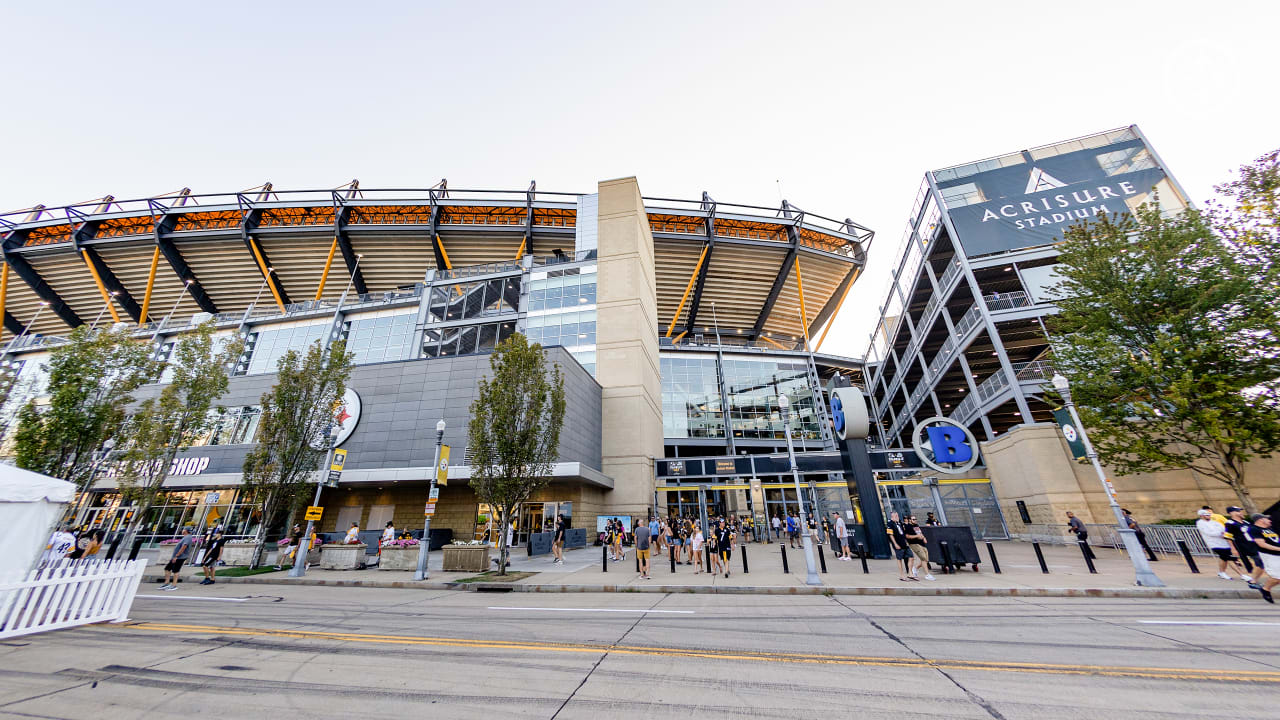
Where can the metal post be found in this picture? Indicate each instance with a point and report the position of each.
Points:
(604, 555)
(1186, 553)
(862, 555)
(299, 568)
(424, 547)
(745, 569)
(1040, 556)
(995, 564)
(1143, 574)
(811, 570)
(786, 570)
(1088, 556)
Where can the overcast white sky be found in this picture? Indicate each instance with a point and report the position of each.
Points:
(846, 104)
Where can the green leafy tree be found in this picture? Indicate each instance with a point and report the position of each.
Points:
(297, 413)
(1249, 216)
(163, 425)
(91, 380)
(514, 435)
(1169, 340)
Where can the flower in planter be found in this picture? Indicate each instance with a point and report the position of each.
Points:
(284, 542)
(401, 543)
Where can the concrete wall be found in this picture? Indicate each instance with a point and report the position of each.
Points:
(627, 348)
(1032, 463)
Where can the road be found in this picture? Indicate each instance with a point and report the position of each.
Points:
(316, 652)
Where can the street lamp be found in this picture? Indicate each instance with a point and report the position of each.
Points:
(424, 547)
(1144, 575)
(300, 557)
(811, 569)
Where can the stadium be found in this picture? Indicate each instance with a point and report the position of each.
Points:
(679, 322)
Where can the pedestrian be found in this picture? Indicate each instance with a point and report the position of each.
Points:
(916, 543)
(353, 535)
(826, 531)
(642, 549)
(777, 527)
(619, 536)
(388, 534)
(932, 520)
(1076, 525)
(291, 554)
(724, 544)
(1268, 544)
(793, 529)
(61, 542)
(1137, 531)
(212, 553)
(695, 549)
(557, 542)
(181, 552)
(82, 543)
(842, 538)
(1237, 533)
(898, 538)
(1213, 533)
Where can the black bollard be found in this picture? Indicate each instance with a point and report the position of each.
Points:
(1040, 556)
(672, 557)
(137, 545)
(995, 564)
(822, 560)
(783, 548)
(604, 556)
(862, 555)
(1084, 548)
(947, 566)
(744, 560)
(637, 560)
(707, 552)
(1186, 553)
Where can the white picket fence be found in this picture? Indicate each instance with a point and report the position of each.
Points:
(69, 593)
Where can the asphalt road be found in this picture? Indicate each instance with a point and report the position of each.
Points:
(316, 652)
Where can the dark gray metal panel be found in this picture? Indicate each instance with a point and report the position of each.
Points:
(44, 290)
(164, 226)
(113, 284)
(12, 324)
(340, 214)
(247, 226)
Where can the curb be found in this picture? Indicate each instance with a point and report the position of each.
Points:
(1135, 592)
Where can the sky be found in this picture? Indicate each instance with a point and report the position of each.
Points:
(839, 107)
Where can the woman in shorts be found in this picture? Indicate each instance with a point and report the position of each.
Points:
(695, 550)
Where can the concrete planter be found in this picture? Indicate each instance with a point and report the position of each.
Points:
(466, 558)
(239, 553)
(337, 556)
(399, 558)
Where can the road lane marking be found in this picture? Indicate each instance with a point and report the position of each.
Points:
(612, 610)
(190, 597)
(1247, 676)
(1203, 622)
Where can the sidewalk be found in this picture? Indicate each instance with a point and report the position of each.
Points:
(1020, 575)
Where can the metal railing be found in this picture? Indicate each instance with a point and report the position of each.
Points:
(1033, 371)
(1007, 301)
(477, 270)
(971, 318)
(561, 259)
(1162, 538)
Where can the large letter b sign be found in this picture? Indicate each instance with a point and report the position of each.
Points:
(948, 444)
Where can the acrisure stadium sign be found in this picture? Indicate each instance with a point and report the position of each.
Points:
(945, 445)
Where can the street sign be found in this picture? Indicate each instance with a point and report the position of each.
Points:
(430, 509)
(435, 494)
(442, 472)
(332, 479)
(339, 460)
(212, 498)
(313, 512)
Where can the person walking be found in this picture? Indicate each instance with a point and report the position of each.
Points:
(1237, 533)
(212, 554)
(725, 538)
(181, 552)
(1268, 544)
(642, 549)
(898, 538)
(61, 543)
(1137, 531)
(295, 542)
(777, 527)
(842, 538)
(1213, 533)
(655, 533)
(557, 542)
(916, 543)
(695, 549)
(793, 529)
(1076, 525)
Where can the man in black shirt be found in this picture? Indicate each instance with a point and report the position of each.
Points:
(212, 553)
(898, 538)
(724, 544)
(1237, 532)
(1268, 544)
(919, 550)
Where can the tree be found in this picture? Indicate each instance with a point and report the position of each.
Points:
(514, 435)
(292, 433)
(162, 426)
(1169, 340)
(90, 383)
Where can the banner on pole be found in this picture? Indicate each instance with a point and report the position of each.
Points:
(1070, 432)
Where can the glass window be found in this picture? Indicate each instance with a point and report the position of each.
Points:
(380, 339)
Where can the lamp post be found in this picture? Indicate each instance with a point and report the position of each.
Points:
(806, 539)
(424, 547)
(299, 568)
(1143, 573)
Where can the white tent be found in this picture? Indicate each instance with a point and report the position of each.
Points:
(30, 503)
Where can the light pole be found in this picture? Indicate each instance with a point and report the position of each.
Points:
(100, 458)
(811, 569)
(424, 547)
(1144, 575)
(300, 557)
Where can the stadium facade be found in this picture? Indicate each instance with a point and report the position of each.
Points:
(677, 323)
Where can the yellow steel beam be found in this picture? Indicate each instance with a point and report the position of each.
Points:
(266, 275)
(106, 296)
(804, 314)
(520, 252)
(772, 342)
(676, 339)
(688, 289)
(440, 243)
(328, 263)
(151, 283)
(832, 320)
